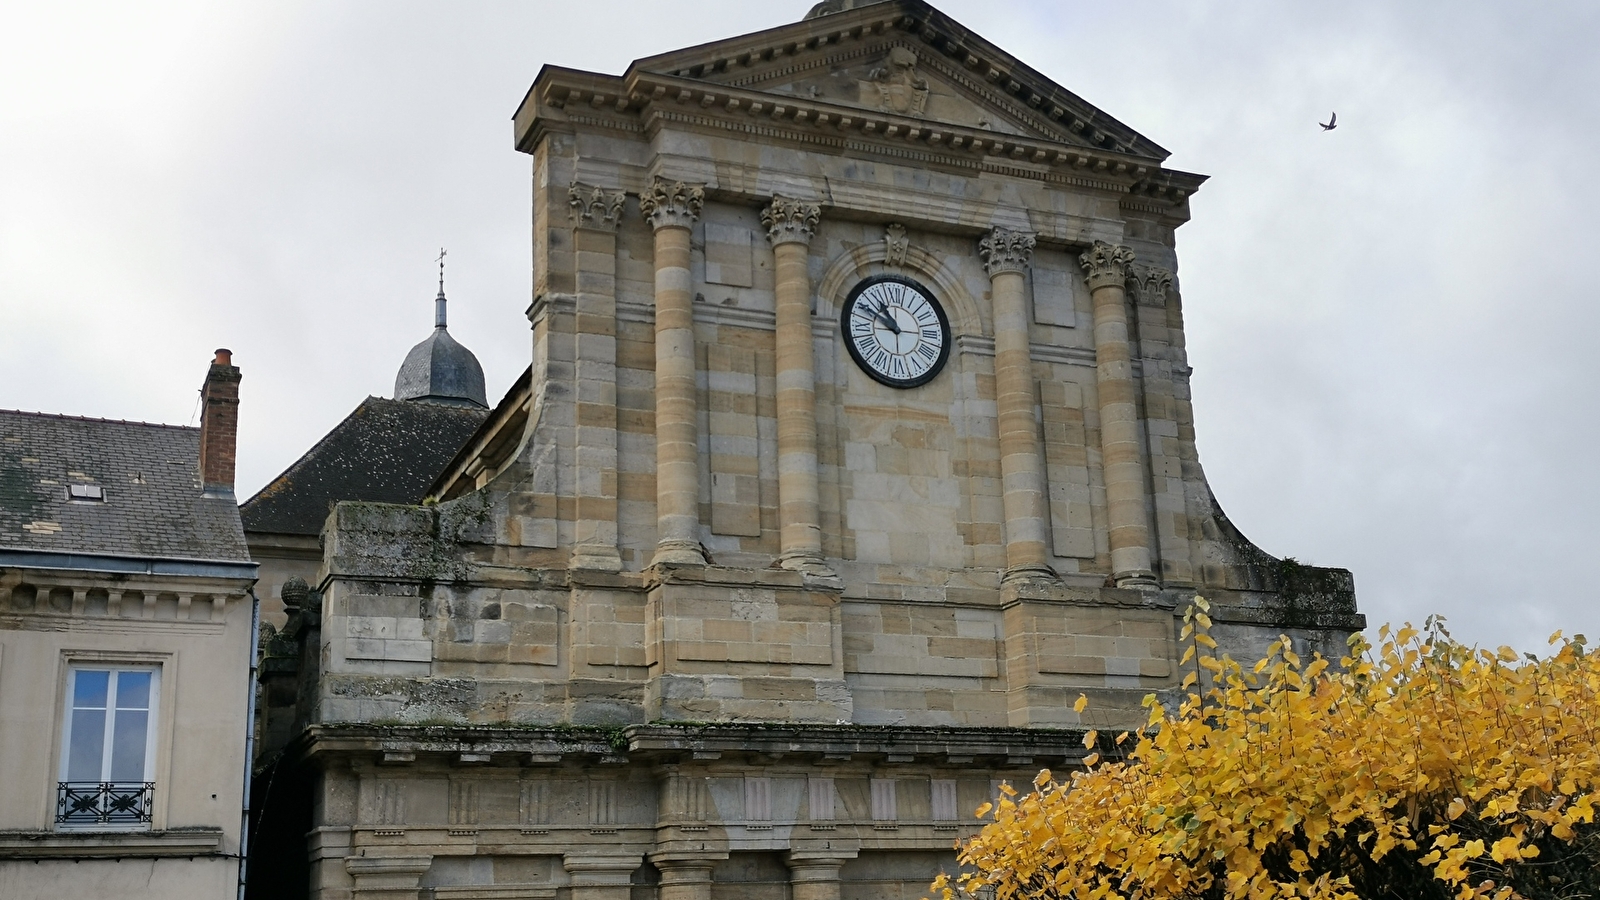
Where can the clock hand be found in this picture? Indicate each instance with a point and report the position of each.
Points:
(887, 319)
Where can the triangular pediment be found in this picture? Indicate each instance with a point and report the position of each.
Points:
(903, 57)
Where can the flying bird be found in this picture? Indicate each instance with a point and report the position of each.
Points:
(1332, 123)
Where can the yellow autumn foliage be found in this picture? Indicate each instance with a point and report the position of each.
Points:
(1420, 768)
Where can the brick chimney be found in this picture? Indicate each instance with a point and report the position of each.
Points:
(219, 425)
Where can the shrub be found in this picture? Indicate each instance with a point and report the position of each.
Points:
(1418, 769)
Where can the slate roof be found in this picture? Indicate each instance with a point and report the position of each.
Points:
(386, 451)
(150, 475)
(442, 370)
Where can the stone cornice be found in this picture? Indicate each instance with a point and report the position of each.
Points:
(41, 845)
(410, 744)
(650, 101)
(1008, 84)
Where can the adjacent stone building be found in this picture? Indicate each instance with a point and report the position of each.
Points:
(856, 444)
(125, 654)
(387, 451)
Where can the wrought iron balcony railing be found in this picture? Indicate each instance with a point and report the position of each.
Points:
(91, 803)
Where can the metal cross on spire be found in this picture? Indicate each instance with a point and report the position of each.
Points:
(438, 302)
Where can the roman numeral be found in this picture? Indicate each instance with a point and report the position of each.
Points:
(928, 352)
(931, 334)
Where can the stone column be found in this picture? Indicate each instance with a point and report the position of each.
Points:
(1005, 254)
(601, 876)
(790, 224)
(1107, 269)
(814, 875)
(595, 213)
(684, 879)
(671, 208)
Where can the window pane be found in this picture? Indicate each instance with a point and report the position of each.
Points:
(127, 745)
(88, 741)
(89, 689)
(133, 690)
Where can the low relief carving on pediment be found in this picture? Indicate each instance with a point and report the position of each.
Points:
(895, 86)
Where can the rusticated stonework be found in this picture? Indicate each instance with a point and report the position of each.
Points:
(706, 612)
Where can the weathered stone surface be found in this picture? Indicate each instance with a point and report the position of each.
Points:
(881, 601)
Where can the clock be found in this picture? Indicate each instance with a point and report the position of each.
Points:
(896, 331)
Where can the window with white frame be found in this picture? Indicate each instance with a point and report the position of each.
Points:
(108, 747)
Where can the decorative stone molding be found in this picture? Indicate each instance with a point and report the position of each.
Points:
(790, 221)
(392, 876)
(900, 89)
(896, 245)
(593, 207)
(191, 843)
(1004, 250)
(1106, 264)
(1150, 284)
(672, 203)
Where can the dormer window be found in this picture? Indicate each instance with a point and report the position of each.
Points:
(86, 493)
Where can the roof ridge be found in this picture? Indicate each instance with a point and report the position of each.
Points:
(72, 418)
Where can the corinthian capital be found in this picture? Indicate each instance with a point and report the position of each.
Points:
(671, 203)
(593, 207)
(1106, 264)
(1004, 250)
(790, 221)
(1151, 283)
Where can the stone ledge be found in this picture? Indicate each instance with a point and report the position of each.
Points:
(110, 844)
(645, 743)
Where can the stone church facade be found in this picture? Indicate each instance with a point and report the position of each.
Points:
(855, 445)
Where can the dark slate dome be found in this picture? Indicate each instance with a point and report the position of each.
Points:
(440, 370)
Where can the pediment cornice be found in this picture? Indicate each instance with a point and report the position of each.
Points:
(1013, 88)
(645, 102)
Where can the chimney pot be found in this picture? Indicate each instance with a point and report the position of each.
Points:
(219, 426)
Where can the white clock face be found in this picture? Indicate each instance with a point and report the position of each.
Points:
(896, 331)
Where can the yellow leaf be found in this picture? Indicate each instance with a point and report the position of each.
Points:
(1457, 807)
(1090, 736)
(1082, 704)
(1505, 849)
(1091, 759)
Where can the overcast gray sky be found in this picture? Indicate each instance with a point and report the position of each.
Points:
(1392, 325)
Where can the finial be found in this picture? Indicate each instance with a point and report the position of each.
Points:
(438, 302)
